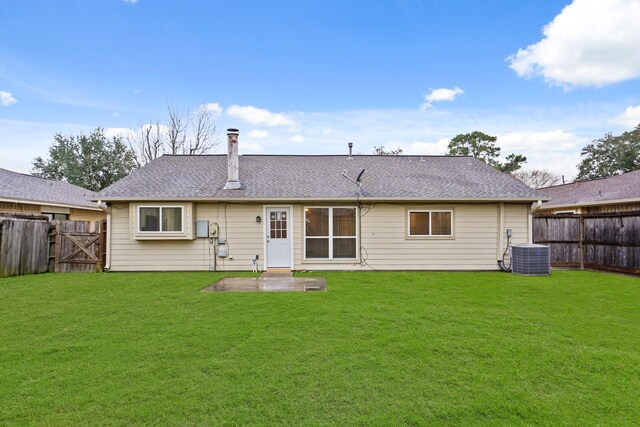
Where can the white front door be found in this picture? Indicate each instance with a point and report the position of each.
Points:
(278, 237)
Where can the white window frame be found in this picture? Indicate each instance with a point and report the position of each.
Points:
(330, 237)
(160, 207)
(430, 235)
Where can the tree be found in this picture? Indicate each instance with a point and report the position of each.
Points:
(147, 144)
(203, 129)
(610, 155)
(513, 163)
(537, 178)
(176, 131)
(182, 134)
(380, 151)
(92, 161)
(483, 147)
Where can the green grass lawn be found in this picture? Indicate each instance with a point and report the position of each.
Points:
(377, 349)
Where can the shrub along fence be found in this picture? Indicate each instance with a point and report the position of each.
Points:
(30, 246)
(598, 241)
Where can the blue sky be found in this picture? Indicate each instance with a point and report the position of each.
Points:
(307, 77)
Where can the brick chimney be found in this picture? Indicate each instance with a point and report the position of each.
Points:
(233, 183)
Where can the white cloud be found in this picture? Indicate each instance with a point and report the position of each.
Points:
(427, 148)
(297, 138)
(251, 147)
(124, 132)
(259, 116)
(212, 107)
(6, 99)
(111, 132)
(116, 114)
(153, 126)
(137, 91)
(630, 117)
(130, 1)
(259, 134)
(555, 150)
(440, 94)
(590, 43)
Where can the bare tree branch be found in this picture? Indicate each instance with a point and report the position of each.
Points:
(203, 131)
(381, 151)
(176, 131)
(183, 134)
(146, 144)
(537, 178)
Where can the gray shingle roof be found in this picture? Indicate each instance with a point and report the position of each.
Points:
(319, 177)
(18, 186)
(620, 187)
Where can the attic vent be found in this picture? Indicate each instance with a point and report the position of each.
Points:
(531, 260)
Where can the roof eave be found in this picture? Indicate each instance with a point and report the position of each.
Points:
(599, 203)
(320, 199)
(46, 203)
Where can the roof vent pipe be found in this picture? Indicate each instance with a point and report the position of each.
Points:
(350, 148)
(233, 183)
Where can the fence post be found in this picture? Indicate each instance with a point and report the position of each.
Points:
(58, 246)
(51, 248)
(581, 243)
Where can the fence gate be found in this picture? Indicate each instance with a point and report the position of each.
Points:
(77, 246)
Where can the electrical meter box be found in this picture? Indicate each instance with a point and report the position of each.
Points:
(202, 228)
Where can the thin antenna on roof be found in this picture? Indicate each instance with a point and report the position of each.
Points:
(357, 181)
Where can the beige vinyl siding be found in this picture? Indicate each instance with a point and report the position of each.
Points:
(515, 218)
(383, 236)
(244, 237)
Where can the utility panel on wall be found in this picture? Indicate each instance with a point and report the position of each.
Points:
(202, 228)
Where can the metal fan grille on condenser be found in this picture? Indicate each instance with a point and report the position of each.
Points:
(531, 260)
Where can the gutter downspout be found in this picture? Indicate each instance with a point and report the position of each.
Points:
(107, 209)
(534, 208)
(501, 231)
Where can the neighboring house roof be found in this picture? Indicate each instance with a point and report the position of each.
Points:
(22, 188)
(282, 177)
(614, 189)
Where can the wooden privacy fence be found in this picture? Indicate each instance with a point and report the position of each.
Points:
(29, 246)
(23, 248)
(598, 241)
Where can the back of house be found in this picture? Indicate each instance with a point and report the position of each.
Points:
(312, 212)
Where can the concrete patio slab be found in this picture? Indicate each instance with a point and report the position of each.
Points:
(268, 284)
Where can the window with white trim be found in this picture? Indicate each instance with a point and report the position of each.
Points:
(330, 232)
(429, 223)
(160, 219)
